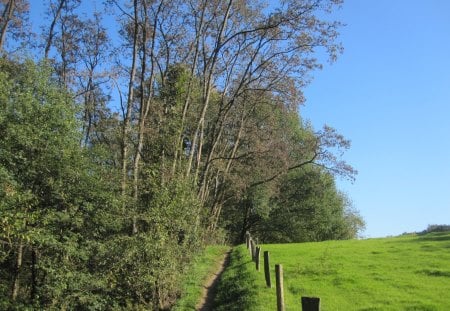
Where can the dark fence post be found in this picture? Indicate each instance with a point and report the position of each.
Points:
(247, 239)
(252, 249)
(310, 304)
(258, 251)
(279, 285)
(267, 269)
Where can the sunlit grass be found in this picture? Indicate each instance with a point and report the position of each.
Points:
(201, 268)
(402, 273)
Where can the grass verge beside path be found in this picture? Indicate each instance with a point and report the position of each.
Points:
(237, 289)
(201, 268)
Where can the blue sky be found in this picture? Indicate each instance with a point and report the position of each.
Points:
(389, 93)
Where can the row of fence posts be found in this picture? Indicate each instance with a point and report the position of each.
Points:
(308, 303)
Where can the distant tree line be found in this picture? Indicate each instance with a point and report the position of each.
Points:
(437, 228)
(133, 134)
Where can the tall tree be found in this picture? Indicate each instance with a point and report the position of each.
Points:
(14, 20)
(246, 50)
(54, 12)
(92, 53)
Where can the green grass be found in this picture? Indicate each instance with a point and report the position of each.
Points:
(237, 287)
(402, 273)
(202, 267)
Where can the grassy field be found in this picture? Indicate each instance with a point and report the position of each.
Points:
(402, 273)
(203, 266)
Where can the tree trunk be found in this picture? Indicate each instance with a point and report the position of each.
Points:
(52, 28)
(218, 196)
(145, 102)
(33, 291)
(16, 276)
(199, 132)
(127, 114)
(6, 18)
(89, 108)
(187, 101)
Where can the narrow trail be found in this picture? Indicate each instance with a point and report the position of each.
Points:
(206, 302)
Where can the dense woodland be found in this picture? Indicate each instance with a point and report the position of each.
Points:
(134, 132)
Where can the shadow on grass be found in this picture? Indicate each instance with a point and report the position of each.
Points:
(435, 272)
(410, 307)
(420, 307)
(436, 236)
(236, 288)
(428, 237)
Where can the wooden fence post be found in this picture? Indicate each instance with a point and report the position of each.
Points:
(279, 285)
(267, 269)
(252, 249)
(247, 239)
(310, 304)
(258, 251)
(250, 241)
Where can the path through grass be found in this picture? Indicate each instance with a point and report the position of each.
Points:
(202, 268)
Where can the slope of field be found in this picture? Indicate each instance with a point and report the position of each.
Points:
(402, 273)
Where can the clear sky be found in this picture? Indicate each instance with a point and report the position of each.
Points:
(389, 93)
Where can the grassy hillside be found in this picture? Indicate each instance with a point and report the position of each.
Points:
(401, 273)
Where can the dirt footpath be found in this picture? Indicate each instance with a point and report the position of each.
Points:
(206, 302)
